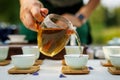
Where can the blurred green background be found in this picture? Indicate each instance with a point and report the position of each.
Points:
(105, 23)
(9, 11)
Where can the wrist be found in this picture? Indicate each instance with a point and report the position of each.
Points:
(82, 18)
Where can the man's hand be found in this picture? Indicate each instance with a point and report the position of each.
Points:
(30, 12)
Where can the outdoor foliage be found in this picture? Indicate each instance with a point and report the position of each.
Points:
(9, 11)
(105, 25)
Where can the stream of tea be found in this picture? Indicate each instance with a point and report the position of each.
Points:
(79, 43)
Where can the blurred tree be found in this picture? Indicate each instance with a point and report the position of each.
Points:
(110, 18)
(117, 15)
(98, 16)
(103, 23)
(9, 11)
(97, 21)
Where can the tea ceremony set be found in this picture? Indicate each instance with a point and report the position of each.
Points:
(28, 66)
(77, 63)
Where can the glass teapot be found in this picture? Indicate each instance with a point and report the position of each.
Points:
(54, 34)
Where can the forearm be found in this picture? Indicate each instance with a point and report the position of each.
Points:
(89, 8)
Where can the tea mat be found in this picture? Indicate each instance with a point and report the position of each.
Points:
(105, 63)
(113, 70)
(68, 70)
(5, 62)
(63, 62)
(38, 62)
(15, 70)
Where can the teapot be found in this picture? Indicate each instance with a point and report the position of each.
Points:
(54, 34)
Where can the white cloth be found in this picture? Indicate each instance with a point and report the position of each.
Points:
(51, 70)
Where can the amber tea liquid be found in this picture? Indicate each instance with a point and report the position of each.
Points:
(52, 40)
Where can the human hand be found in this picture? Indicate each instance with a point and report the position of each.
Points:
(31, 11)
(75, 21)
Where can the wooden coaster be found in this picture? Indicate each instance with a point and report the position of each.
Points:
(68, 70)
(15, 70)
(38, 62)
(63, 62)
(5, 62)
(114, 71)
(105, 63)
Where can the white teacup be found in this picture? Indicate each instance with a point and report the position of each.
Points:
(72, 49)
(16, 37)
(110, 50)
(115, 60)
(23, 61)
(76, 61)
(31, 50)
(3, 52)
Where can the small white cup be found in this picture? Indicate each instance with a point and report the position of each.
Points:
(76, 61)
(115, 60)
(16, 37)
(3, 52)
(23, 61)
(31, 50)
(73, 49)
(110, 50)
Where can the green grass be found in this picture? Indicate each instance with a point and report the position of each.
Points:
(102, 34)
(109, 33)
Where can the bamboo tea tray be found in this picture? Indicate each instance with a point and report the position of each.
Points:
(15, 70)
(68, 70)
(105, 63)
(38, 62)
(5, 62)
(63, 62)
(114, 71)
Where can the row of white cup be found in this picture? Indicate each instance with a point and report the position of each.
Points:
(25, 60)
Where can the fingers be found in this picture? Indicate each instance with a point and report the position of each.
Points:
(38, 12)
(45, 11)
(30, 14)
(35, 11)
(28, 21)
